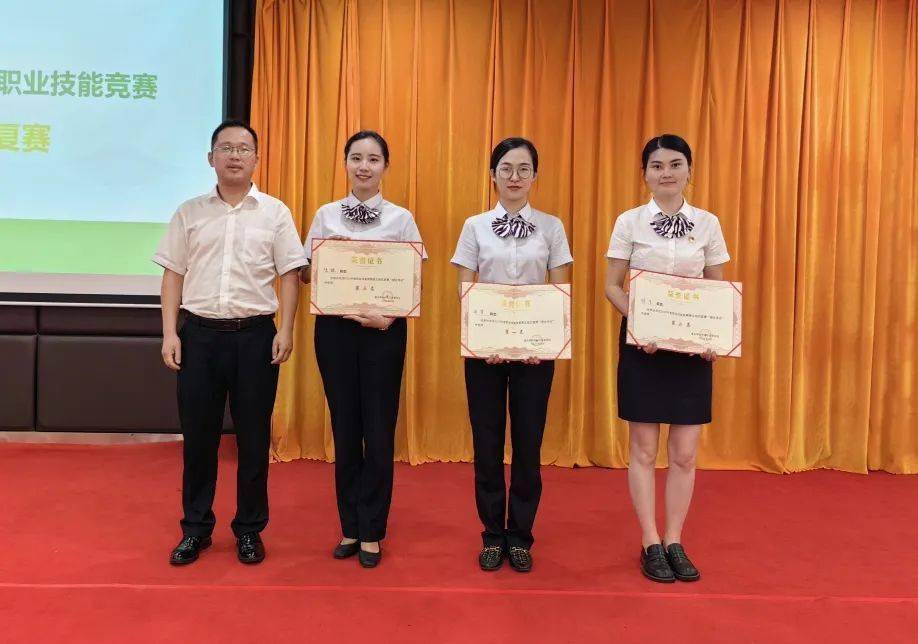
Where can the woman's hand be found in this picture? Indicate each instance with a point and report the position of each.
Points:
(532, 361)
(650, 348)
(370, 321)
(709, 355)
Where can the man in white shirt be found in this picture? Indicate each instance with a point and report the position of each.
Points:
(221, 255)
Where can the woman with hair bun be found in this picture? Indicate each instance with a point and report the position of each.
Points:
(665, 235)
(511, 244)
(361, 358)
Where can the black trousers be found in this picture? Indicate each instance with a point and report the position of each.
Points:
(216, 363)
(487, 388)
(362, 374)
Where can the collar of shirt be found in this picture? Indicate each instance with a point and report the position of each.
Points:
(685, 209)
(253, 195)
(373, 202)
(500, 211)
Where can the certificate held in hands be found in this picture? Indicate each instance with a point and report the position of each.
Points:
(360, 277)
(685, 314)
(516, 322)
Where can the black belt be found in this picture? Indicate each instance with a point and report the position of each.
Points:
(233, 324)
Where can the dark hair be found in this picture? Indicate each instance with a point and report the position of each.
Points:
(669, 142)
(513, 143)
(367, 134)
(233, 123)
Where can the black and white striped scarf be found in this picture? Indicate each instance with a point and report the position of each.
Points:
(359, 213)
(669, 227)
(514, 226)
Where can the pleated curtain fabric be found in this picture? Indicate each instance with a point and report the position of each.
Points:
(802, 115)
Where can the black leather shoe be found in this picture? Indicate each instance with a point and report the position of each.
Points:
(250, 548)
(345, 550)
(491, 558)
(188, 549)
(682, 566)
(520, 559)
(369, 559)
(655, 566)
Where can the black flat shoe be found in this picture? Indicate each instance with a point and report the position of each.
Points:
(250, 548)
(655, 566)
(491, 558)
(520, 559)
(188, 550)
(682, 566)
(345, 550)
(369, 559)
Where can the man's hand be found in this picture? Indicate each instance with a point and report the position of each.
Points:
(282, 347)
(380, 322)
(172, 351)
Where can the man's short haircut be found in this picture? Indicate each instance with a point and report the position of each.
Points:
(233, 123)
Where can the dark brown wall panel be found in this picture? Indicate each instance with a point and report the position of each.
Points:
(93, 383)
(18, 319)
(60, 320)
(17, 381)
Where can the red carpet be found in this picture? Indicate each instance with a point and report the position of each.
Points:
(819, 556)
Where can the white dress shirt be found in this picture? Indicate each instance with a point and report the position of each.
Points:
(512, 260)
(393, 224)
(635, 240)
(230, 255)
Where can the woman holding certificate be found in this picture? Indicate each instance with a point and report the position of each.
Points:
(666, 235)
(361, 357)
(511, 244)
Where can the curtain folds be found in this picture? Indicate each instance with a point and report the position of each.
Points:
(802, 116)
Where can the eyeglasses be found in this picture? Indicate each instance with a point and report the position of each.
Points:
(242, 151)
(506, 171)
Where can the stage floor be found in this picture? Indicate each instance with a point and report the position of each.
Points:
(87, 530)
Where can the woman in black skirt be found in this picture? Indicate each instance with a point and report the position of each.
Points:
(361, 357)
(666, 235)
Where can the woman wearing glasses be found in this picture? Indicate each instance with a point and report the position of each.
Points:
(511, 244)
(666, 235)
(361, 357)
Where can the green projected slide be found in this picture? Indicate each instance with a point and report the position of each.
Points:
(100, 247)
(106, 111)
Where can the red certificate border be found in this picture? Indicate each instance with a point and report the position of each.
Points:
(418, 285)
(464, 318)
(735, 352)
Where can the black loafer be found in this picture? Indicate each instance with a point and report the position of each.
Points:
(250, 548)
(655, 566)
(520, 559)
(188, 550)
(491, 558)
(369, 559)
(682, 566)
(345, 550)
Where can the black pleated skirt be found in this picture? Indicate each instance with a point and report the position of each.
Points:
(666, 387)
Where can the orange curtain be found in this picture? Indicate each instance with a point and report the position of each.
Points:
(802, 115)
